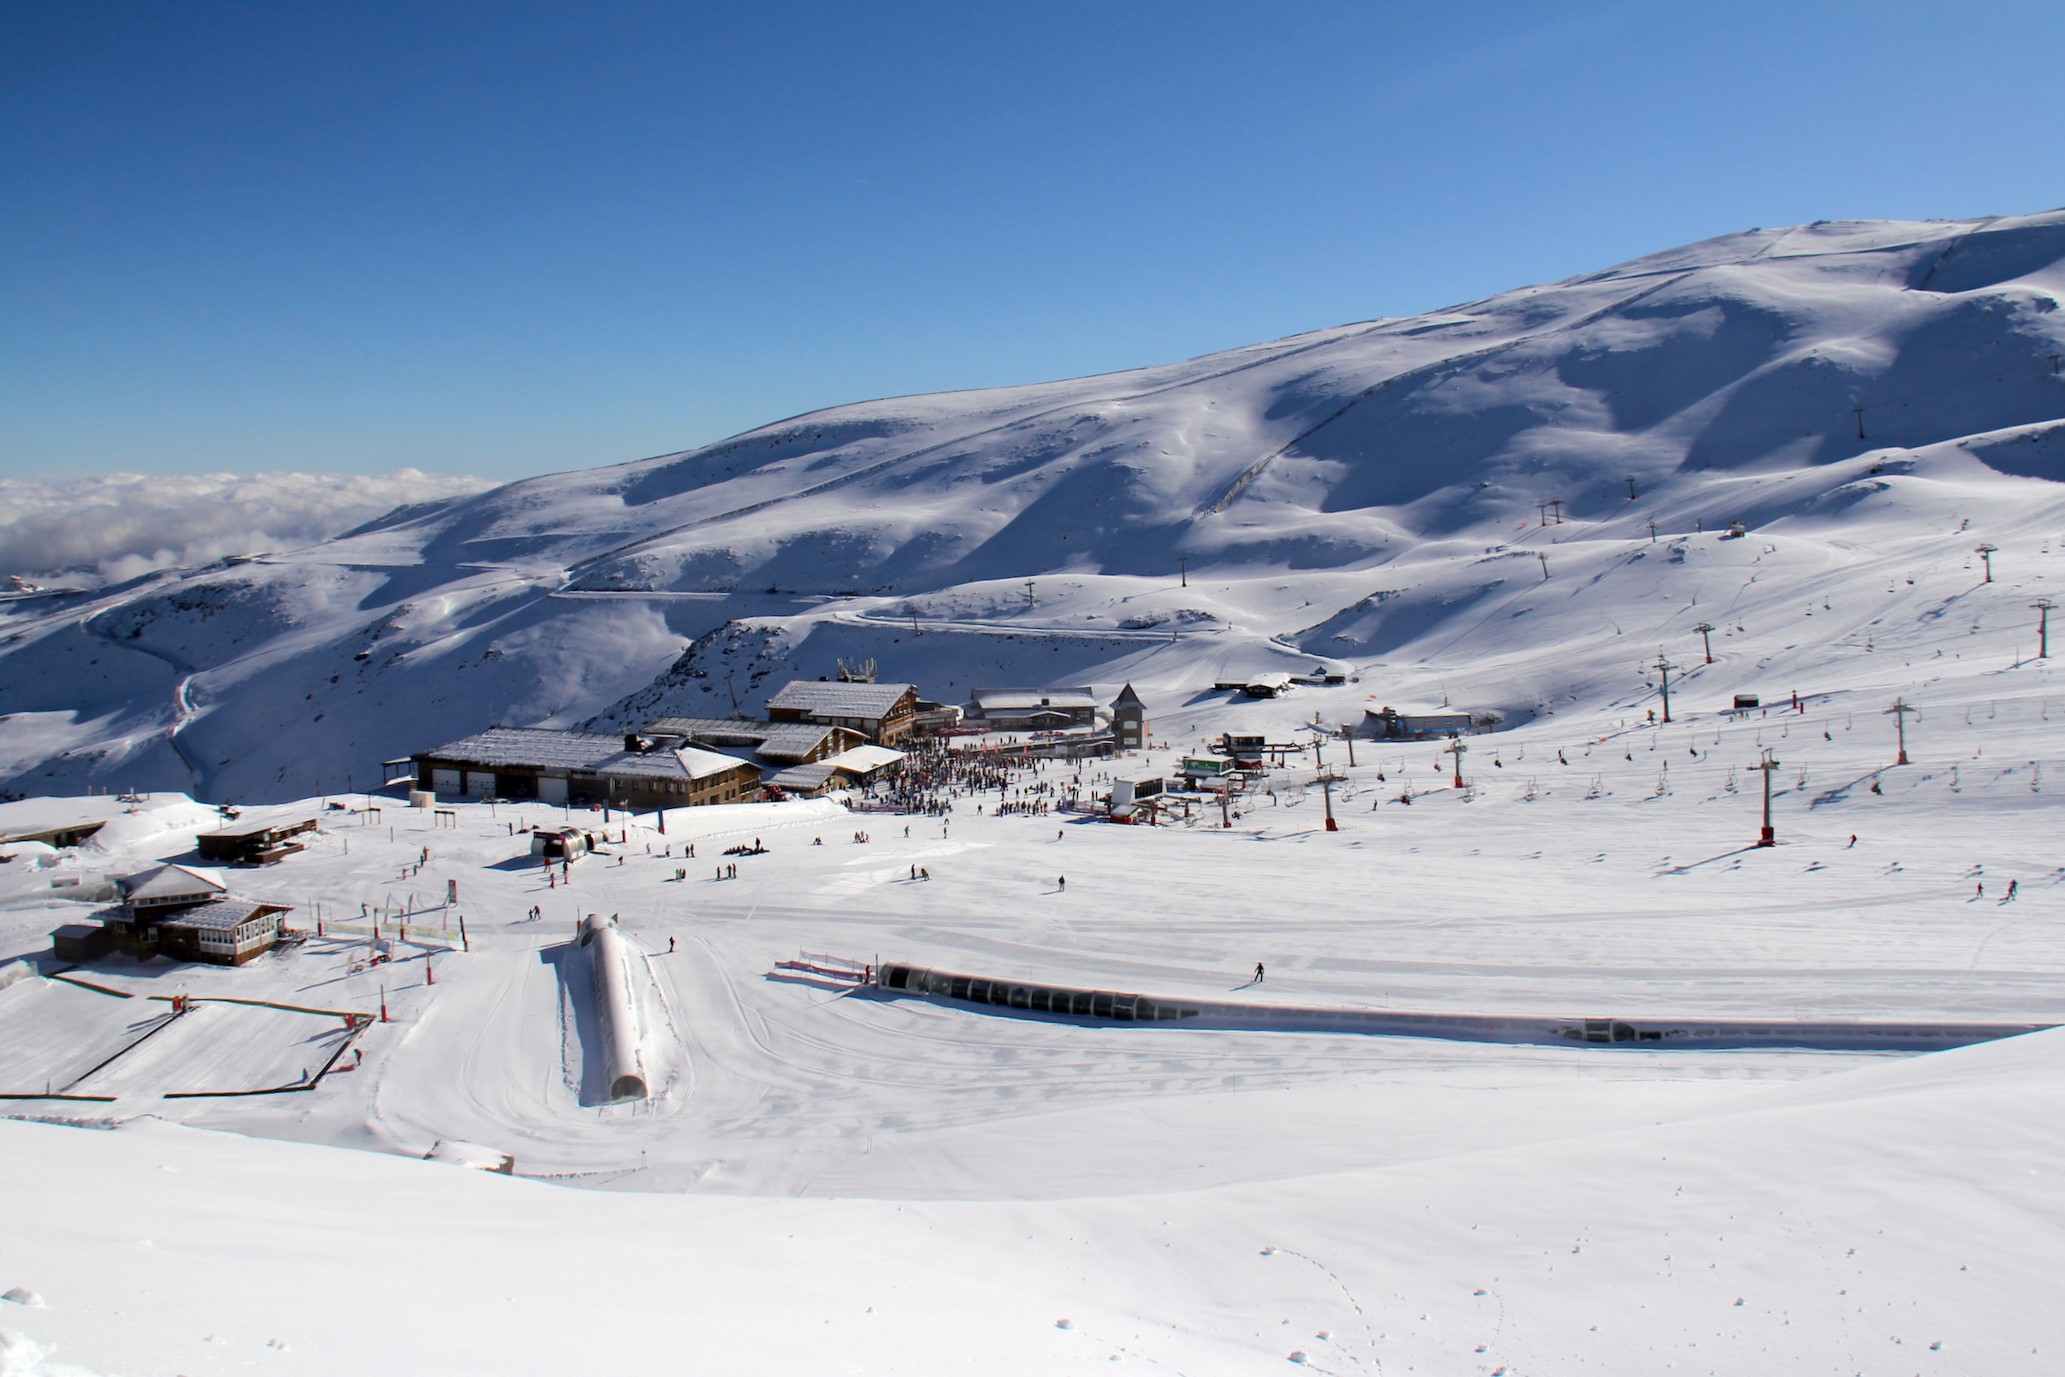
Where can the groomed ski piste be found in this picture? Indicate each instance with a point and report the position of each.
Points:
(822, 1176)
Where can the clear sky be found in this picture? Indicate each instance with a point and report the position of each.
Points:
(510, 238)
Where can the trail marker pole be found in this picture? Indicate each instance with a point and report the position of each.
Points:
(1767, 837)
(1706, 638)
(2043, 608)
(1899, 710)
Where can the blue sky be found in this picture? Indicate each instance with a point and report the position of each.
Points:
(513, 238)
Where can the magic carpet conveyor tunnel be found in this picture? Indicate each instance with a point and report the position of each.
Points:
(1522, 1029)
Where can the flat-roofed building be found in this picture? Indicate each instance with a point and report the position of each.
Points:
(255, 843)
(1409, 724)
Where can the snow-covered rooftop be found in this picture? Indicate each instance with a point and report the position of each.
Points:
(1020, 699)
(217, 915)
(839, 700)
(774, 740)
(582, 752)
(170, 882)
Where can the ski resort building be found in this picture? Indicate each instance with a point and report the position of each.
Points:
(1128, 721)
(1034, 710)
(181, 913)
(584, 769)
(853, 769)
(1387, 724)
(254, 844)
(774, 745)
(883, 713)
(170, 887)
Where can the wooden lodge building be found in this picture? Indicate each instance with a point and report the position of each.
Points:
(1035, 710)
(774, 745)
(181, 913)
(584, 770)
(254, 844)
(882, 713)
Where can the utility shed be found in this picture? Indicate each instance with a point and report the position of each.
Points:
(260, 844)
(883, 713)
(81, 942)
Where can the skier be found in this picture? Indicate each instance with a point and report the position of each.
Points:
(670, 945)
(1063, 882)
(1258, 973)
(2013, 886)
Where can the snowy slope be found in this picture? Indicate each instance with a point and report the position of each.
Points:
(1898, 1219)
(825, 1182)
(1369, 493)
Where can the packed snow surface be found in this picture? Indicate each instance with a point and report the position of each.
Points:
(830, 1179)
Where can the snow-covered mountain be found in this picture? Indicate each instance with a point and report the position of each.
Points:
(1863, 397)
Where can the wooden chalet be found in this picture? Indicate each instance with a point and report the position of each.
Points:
(883, 713)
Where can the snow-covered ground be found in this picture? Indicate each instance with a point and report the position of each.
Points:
(828, 1180)
(834, 1180)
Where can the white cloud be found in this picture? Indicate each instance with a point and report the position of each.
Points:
(116, 526)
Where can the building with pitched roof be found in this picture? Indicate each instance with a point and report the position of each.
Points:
(182, 913)
(853, 769)
(1128, 721)
(584, 769)
(1035, 709)
(883, 713)
(774, 745)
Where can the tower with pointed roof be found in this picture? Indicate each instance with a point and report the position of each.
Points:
(1128, 721)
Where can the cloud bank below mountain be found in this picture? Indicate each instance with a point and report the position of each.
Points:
(115, 526)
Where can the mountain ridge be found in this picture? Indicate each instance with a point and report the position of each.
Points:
(1759, 376)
